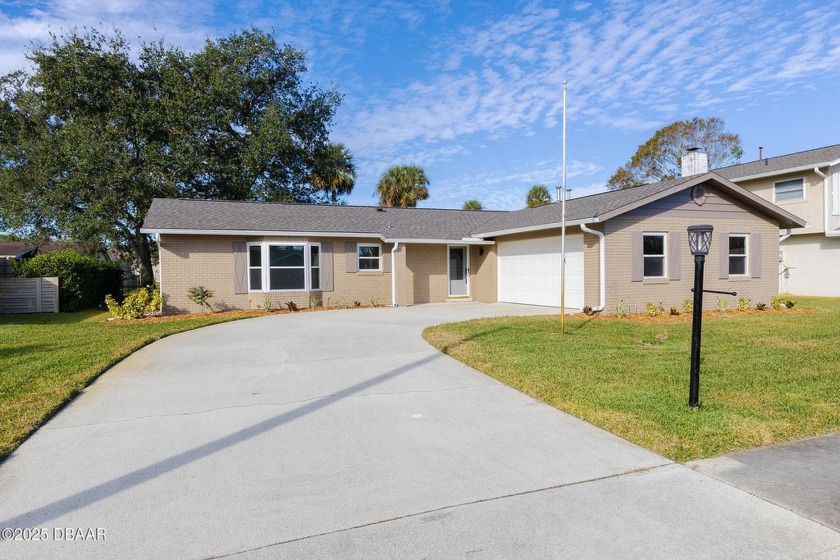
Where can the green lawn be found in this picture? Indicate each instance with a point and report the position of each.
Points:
(46, 359)
(765, 377)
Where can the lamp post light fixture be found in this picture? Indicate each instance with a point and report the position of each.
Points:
(699, 241)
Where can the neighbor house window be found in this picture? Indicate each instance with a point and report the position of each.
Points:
(653, 249)
(255, 267)
(737, 254)
(789, 191)
(369, 257)
(315, 267)
(286, 267)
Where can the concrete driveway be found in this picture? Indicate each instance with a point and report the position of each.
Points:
(342, 434)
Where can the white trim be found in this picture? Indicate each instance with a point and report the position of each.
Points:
(602, 267)
(465, 241)
(394, 274)
(466, 270)
(746, 255)
(238, 233)
(664, 255)
(265, 265)
(556, 225)
(795, 201)
(248, 266)
(778, 172)
(378, 259)
(310, 268)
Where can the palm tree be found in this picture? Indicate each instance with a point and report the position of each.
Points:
(403, 186)
(333, 171)
(538, 196)
(473, 204)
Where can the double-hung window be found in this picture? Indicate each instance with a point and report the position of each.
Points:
(653, 251)
(737, 254)
(284, 266)
(789, 191)
(370, 257)
(314, 267)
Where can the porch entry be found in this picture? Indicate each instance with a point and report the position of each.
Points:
(459, 271)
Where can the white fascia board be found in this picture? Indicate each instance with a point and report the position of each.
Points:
(244, 233)
(538, 228)
(463, 241)
(781, 171)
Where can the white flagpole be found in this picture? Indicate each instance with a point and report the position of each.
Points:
(563, 227)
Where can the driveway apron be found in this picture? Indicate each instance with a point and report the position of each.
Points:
(343, 434)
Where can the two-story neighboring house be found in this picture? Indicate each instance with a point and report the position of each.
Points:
(806, 184)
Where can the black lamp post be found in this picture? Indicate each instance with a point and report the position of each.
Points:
(699, 241)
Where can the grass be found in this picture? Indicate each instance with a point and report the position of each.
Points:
(46, 359)
(766, 377)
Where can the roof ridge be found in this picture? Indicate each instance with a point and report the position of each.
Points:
(299, 204)
(778, 157)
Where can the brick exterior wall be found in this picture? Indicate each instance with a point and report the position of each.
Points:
(483, 269)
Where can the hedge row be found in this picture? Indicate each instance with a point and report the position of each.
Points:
(83, 282)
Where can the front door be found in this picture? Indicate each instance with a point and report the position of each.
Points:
(459, 272)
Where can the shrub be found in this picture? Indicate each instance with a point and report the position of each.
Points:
(267, 302)
(776, 302)
(760, 306)
(722, 304)
(201, 296)
(357, 303)
(314, 301)
(83, 281)
(137, 304)
(674, 310)
(292, 306)
(620, 309)
(743, 304)
(342, 304)
(374, 302)
(653, 310)
(789, 304)
(688, 305)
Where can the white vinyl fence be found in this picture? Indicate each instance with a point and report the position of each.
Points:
(28, 295)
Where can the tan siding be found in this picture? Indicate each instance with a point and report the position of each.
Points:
(483, 271)
(592, 267)
(674, 292)
(191, 260)
(811, 209)
(427, 266)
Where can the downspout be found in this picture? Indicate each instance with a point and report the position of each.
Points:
(394, 273)
(602, 267)
(826, 211)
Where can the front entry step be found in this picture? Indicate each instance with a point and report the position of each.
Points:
(455, 299)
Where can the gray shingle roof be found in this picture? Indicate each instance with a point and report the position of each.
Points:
(592, 206)
(390, 223)
(808, 158)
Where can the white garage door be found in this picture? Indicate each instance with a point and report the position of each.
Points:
(529, 271)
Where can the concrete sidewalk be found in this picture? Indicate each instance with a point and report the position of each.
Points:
(343, 434)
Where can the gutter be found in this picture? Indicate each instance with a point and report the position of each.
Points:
(602, 267)
(394, 274)
(826, 212)
(541, 227)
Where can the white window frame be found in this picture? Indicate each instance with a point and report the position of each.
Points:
(663, 256)
(266, 266)
(359, 257)
(261, 268)
(795, 200)
(745, 256)
(311, 269)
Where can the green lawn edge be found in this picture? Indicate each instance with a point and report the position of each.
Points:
(46, 360)
(766, 377)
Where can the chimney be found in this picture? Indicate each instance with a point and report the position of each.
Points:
(694, 162)
(760, 153)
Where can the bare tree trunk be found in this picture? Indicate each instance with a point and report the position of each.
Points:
(140, 248)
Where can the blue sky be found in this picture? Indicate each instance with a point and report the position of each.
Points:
(472, 90)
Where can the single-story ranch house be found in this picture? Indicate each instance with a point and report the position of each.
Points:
(628, 245)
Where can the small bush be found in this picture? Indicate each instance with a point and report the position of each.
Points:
(587, 310)
(136, 304)
(292, 306)
(674, 310)
(776, 302)
(267, 302)
(621, 309)
(357, 303)
(789, 304)
(374, 302)
(743, 304)
(688, 305)
(653, 310)
(760, 306)
(201, 296)
(83, 281)
(342, 304)
(314, 301)
(722, 303)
